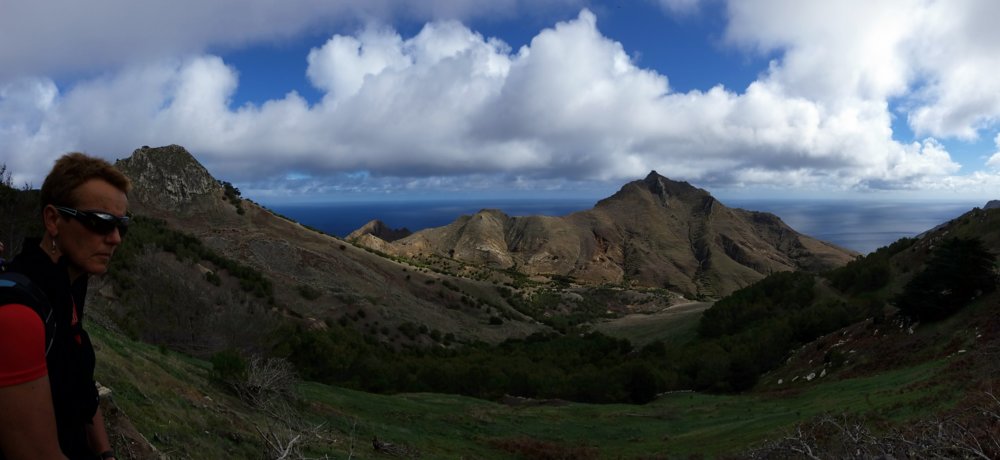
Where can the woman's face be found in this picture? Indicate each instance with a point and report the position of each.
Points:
(90, 251)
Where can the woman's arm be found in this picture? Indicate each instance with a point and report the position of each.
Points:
(27, 421)
(97, 434)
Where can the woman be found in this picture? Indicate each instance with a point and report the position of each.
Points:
(48, 402)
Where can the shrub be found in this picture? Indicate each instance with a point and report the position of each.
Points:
(266, 379)
(309, 293)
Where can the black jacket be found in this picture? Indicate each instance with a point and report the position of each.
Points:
(70, 361)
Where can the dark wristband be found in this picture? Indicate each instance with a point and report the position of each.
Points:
(107, 454)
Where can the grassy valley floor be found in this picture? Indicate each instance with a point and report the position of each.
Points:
(173, 402)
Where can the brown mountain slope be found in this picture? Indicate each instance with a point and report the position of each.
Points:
(654, 232)
(314, 275)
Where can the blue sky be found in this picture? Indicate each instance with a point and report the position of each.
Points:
(341, 100)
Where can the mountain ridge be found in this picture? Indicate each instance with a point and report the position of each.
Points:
(653, 232)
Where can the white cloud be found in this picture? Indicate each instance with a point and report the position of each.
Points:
(449, 105)
(994, 161)
(833, 52)
(939, 57)
(342, 64)
(958, 55)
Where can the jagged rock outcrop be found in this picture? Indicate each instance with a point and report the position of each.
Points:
(380, 230)
(654, 232)
(170, 179)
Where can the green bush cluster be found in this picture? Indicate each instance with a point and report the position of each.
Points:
(232, 195)
(589, 368)
(869, 273)
(753, 330)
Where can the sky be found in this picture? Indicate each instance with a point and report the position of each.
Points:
(323, 100)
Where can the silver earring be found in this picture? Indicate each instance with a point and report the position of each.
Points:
(53, 250)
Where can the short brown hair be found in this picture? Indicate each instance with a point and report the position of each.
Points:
(71, 171)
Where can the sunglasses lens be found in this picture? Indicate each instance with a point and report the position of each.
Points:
(105, 223)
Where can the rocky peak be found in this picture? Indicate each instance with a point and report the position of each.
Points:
(167, 178)
(993, 204)
(664, 187)
(658, 187)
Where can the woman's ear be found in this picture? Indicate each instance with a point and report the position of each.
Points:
(50, 218)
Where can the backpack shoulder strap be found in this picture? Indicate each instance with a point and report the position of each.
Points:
(17, 288)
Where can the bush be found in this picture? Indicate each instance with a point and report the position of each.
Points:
(309, 293)
(266, 380)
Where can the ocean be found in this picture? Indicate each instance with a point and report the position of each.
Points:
(863, 226)
(859, 225)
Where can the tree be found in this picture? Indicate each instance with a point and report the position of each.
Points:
(958, 271)
(18, 212)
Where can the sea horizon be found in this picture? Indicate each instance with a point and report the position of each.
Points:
(859, 225)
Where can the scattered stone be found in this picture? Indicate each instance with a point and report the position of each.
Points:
(103, 391)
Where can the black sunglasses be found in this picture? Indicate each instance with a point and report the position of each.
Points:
(98, 222)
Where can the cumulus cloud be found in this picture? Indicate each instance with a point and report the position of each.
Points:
(939, 57)
(449, 106)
